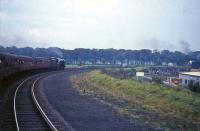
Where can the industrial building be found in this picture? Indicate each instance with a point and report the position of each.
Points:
(189, 77)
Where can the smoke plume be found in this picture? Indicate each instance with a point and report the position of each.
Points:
(56, 51)
(185, 46)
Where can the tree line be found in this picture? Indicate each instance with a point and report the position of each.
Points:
(108, 56)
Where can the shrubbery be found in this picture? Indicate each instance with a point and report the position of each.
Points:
(157, 80)
(194, 86)
(121, 73)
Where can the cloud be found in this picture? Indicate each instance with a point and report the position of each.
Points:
(95, 7)
(100, 23)
(22, 41)
(24, 37)
(34, 33)
(14, 40)
(155, 43)
(4, 16)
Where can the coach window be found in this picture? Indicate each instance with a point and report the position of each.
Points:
(0, 61)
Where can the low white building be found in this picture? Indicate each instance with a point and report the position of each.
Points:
(188, 77)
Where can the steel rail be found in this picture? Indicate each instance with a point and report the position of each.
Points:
(53, 128)
(43, 114)
(14, 104)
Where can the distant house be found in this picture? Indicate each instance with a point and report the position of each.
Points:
(189, 77)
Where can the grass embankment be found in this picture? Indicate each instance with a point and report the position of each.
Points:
(178, 103)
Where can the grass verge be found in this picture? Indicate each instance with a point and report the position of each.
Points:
(158, 106)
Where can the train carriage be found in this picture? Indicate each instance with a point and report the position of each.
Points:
(10, 63)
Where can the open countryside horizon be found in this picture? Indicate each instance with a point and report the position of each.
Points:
(135, 25)
(184, 49)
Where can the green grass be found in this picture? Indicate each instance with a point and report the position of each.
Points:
(176, 102)
(140, 68)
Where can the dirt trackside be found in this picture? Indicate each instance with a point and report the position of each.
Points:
(83, 112)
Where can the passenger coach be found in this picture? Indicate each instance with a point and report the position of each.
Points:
(10, 63)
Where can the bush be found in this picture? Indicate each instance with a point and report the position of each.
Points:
(197, 87)
(194, 87)
(157, 80)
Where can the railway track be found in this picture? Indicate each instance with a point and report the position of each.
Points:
(29, 115)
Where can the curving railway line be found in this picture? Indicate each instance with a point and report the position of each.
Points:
(29, 115)
(39, 106)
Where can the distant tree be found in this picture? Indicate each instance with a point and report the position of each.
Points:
(2, 49)
(137, 57)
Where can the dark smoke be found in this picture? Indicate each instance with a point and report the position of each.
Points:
(56, 51)
(185, 46)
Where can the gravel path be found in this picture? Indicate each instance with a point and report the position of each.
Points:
(79, 112)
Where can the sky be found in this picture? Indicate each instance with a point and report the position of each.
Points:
(119, 24)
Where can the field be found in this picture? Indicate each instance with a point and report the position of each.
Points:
(150, 103)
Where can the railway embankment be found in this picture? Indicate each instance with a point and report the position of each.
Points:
(144, 102)
(6, 82)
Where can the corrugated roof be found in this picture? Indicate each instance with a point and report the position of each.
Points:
(191, 73)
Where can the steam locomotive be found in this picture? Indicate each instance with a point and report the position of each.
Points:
(10, 63)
